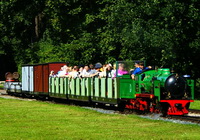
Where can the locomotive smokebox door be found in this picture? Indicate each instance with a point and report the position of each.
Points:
(176, 86)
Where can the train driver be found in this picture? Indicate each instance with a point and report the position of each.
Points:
(136, 70)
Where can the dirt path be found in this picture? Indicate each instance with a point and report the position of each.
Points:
(4, 95)
(2, 91)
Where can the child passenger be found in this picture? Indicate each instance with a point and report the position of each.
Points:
(121, 70)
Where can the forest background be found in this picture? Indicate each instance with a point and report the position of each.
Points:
(165, 33)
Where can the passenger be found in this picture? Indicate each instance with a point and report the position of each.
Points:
(80, 72)
(86, 71)
(113, 72)
(52, 74)
(103, 72)
(66, 65)
(61, 72)
(61, 69)
(121, 70)
(93, 71)
(136, 70)
(109, 72)
(74, 73)
(65, 71)
(97, 67)
(141, 65)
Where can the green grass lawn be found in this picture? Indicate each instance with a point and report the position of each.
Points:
(40, 120)
(1, 85)
(195, 105)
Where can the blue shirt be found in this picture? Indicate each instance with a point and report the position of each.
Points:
(145, 68)
(136, 71)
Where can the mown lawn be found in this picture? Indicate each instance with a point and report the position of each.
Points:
(195, 105)
(1, 85)
(40, 120)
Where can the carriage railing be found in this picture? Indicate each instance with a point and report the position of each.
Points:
(107, 88)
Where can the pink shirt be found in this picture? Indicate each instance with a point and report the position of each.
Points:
(120, 73)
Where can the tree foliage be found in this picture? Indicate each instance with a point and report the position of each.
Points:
(165, 33)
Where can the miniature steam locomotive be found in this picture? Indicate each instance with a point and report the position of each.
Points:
(152, 90)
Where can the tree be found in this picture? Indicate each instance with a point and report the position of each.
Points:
(165, 33)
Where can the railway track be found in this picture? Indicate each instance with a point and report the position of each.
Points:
(99, 107)
(192, 119)
(194, 111)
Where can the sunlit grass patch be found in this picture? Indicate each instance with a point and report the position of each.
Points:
(40, 120)
(195, 105)
(1, 85)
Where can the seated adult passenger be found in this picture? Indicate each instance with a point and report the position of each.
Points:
(113, 71)
(80, 72)
(103, 72)
(97, 67)
(110, 71)
(61, 72)
(74, 73)
(86, 71)
(64, 72)
(61, 69)
(93, 71)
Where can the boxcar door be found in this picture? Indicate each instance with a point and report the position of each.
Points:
(25, 78)
(45, 78)
(38, 79)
